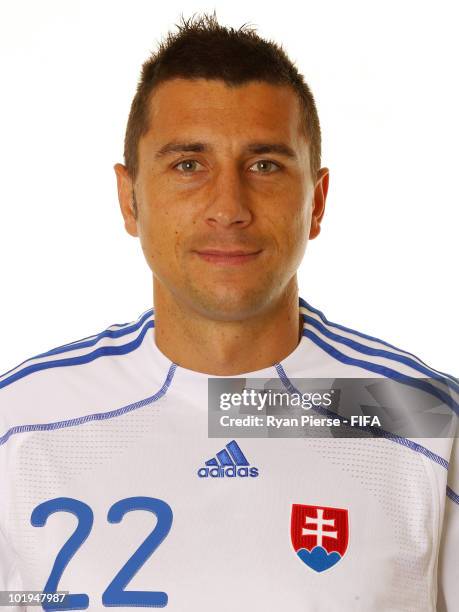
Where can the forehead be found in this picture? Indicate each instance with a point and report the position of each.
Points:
(202, 107)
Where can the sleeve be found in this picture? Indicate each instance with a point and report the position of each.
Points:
(448, 560)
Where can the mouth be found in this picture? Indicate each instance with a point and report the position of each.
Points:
(228, 258)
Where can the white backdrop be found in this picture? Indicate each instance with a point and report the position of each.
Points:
(383, 75)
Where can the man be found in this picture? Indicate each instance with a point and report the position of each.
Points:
(222, 184)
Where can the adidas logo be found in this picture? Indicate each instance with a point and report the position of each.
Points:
(230, 463)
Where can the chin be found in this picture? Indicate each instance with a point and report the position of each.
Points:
(230, 305)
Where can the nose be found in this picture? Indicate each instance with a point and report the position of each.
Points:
(229, 200)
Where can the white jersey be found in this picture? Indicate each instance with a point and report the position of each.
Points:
(112, 490)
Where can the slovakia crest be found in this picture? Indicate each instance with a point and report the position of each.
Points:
(320, 535)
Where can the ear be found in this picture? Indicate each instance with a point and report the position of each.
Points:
(320, 195)
(126, 199)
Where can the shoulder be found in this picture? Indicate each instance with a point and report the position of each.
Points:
(356, 348)
(62, 380)
(116, 339)
(347, 353)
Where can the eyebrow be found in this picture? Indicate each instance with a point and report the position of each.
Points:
(201, 147)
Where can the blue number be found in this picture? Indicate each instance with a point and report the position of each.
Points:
(85, 520)
(115, 595)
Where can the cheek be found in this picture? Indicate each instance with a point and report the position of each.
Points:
(301, 228)
(292, 230)
(159, 236)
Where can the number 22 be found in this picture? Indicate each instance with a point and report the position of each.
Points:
(114, 594)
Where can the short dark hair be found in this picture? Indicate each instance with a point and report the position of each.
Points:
(203, 48)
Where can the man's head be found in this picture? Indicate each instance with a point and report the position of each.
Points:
(222, 153)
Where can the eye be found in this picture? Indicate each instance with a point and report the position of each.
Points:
(265, 166)
(188, 165)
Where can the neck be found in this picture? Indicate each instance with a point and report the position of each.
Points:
(226, 347)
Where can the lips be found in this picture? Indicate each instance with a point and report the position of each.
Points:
(230, 257)
(226, 253)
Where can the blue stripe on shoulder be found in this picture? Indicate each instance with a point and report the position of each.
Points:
(80, 359)
(305, 304)
(452, 495)
(368, 350)
(125, 328)
(99, 416)
(384, 371)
